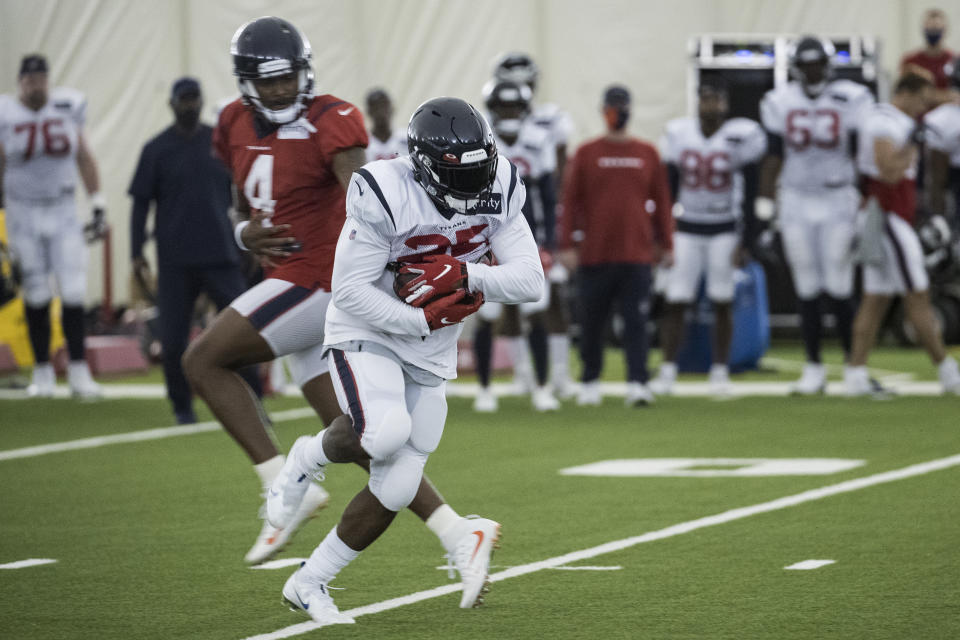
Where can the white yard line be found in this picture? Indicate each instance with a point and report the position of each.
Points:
(661, 534)
(138, 436)
(808, 565)
(32, 562)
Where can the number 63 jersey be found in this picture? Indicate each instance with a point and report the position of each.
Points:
(40, 147)
(287, 173)
(390, 218)
(816, 132)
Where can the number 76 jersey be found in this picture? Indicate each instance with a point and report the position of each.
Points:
(816, 132)
(286, 172)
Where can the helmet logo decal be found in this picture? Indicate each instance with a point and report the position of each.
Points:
(274, 66)
(449, 157)
(473, 156)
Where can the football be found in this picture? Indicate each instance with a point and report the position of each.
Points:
(400, 280)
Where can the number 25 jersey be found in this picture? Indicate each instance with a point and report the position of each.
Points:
(816, 132)
(287, 173)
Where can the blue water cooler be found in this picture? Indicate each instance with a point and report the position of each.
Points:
(751, 325)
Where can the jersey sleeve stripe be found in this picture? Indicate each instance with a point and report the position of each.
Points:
(513, 184)
(370, 180)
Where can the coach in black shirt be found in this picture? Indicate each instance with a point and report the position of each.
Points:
(195, 247)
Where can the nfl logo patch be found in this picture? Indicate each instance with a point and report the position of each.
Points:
(353, 234)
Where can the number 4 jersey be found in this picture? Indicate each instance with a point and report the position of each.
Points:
(40, 147)
(707, 166)
(816, 132)
(287, 173)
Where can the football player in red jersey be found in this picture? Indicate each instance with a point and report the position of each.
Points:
(292, 155)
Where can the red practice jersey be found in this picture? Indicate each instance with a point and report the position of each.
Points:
(287, 173)
(937, 65)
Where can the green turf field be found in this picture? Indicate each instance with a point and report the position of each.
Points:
(149, 536)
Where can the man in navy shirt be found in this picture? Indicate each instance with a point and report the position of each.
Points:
(195, 247)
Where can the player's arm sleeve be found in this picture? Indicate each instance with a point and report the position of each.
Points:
(343, 132)
(518, 275)
(937, 131)
(570, 223)
(79, 109)
(143, 190)
(663, 206)
(363, 251)
(755, 145)
(772, 121)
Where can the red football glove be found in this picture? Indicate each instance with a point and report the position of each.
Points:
(436, 276)
(451, 309)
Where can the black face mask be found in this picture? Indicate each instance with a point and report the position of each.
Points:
(188, 118)
(933, 36)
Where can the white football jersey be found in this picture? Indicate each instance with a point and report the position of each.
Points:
(533, 152)
(394, 147)
(40, 147)
(884, 121)
(943, 131)
(556, 122)
(391, 218)
(708, 166)
(816, 132)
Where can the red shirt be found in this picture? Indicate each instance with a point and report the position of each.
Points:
(934, 64)
(616, 203)
(899, 199)
(288, 174)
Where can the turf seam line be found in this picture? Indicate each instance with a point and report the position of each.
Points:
(618, 545)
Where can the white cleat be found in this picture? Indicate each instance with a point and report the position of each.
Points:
(313, 598)
(949, 376)
(564, 389)
(44, 381)
(471, 556)
(288, 489)
(82, 385)
(485, 402)
(638, 395)
(812, 381)
(543, 399)
(273, 539)
(662, 386)
(719, 381)
(858, 383)
(589, 395)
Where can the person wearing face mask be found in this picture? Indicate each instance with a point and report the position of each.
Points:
(196, 251)
(934, 58)
(617, 221)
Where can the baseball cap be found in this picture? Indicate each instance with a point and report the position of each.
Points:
(184, 86)
(616, 95)
(33, 63)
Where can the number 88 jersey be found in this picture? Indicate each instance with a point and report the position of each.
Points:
(816, 132)
(287, 173)
(40, 147)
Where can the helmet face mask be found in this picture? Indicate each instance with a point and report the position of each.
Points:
(509, 105)
(811, 63)
(268, 48)
(453, 153)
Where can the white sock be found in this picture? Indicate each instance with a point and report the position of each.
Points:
(859, 372)
(329, 558)
(313, 455)
(719, 369)
(521, 357)
(269, 469)
(668, 370)
(558, 345)
(442, 522)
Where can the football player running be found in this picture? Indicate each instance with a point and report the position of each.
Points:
(292, 155)
(385, 143)
(704, 157)
(892, 254)
(812, 124)
(436, 212)
(42, 148)
(531, 150)
(520, 68)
